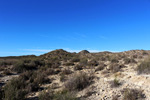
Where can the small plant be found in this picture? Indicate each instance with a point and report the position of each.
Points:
(115, 83)
(132, 94)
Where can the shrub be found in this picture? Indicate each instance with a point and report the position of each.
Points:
(93, 63)
(46, 95)
(113, 59)
(115, 97)
(69, 64)
(75, 59)
(129, 60)
(19, 67)
(62, 78)
(115, 83)
(78, 82)
(100, 67)
(1, 93)
(66, 71)
(114, 67)
(78, 67)
(83, 61)
(41, 78)
(63, 95)
(7, 72)
(14, 90)
(132, 94)
(144, 67)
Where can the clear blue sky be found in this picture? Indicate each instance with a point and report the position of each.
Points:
(37, 26)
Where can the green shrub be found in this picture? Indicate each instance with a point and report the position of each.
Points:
(115, 83)
(132, 94)
(63, 95)
(14, 90)
(19, 67)
(78, 82)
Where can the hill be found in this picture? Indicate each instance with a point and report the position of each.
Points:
(61, 75)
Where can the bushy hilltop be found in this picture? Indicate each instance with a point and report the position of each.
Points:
(61, 75)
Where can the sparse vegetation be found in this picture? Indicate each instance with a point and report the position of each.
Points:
(144, 67)
(132, 94)
(60, 69)
(129, 60)
(63, 95)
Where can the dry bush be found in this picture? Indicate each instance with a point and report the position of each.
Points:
(93, 63)
(1, 93)
(62, 78)
(78, 82)
(115, 97)
(69, 64)
(78, 67)
(66, 71)
(113, 58)
(7, 72)
(83, 61)
(75, 59)
(100, 67)
(132, 94)
(114, 67)
(129, 60)
(144, 67)
(62, 95)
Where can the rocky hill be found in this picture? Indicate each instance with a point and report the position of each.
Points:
(61, 75)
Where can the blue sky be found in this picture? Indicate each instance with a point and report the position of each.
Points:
(38, 26)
